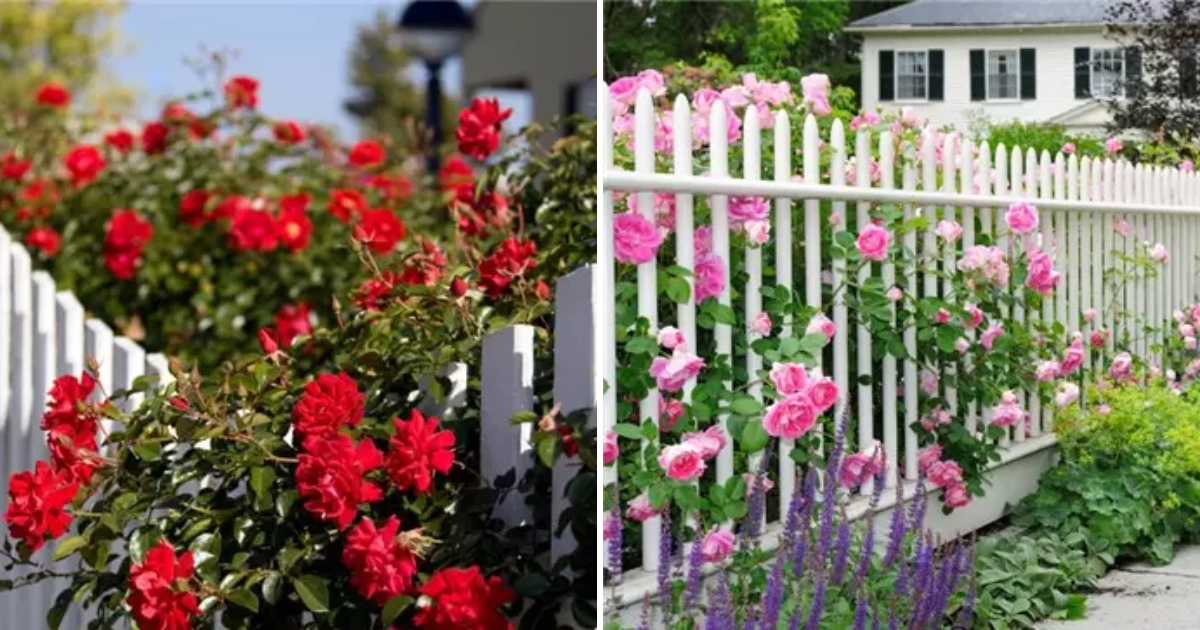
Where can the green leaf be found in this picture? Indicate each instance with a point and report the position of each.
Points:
(68, 547)
(754, 438)
(547, 452)
(641, 345)
(523, 417)
(285, 501)
(531, 585)
(142, 541)
(745, 406)
(271, 587)
(207, 551)
(147, 451)
(313, 592)
(723, 314)
(394, 607)
(629, 431)
(678, 290)
(261, 480)
(244, 598)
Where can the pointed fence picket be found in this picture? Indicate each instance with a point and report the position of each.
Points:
(1082, 204)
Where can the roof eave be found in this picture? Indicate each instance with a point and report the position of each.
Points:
(923, 28)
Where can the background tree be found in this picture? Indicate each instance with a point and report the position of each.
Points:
(1161, 47)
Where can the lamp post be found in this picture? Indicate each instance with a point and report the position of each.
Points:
(434, 30)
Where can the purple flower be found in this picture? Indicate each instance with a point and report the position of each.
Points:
(665, 590)
(719, 616)
(613, 527)
(898, 529)
(841, 551)
(754, 515)
(818, 604)
(860, 610)
(691, 592)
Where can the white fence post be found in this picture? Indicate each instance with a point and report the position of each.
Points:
(574, 379)
(506, 380)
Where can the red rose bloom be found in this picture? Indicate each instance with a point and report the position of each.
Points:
(192, 207)
(154, 138)
(366, 153)
(36, 509)
(394, 189)
(416, 451)
(288, 132)
(380, 567)
(328, 403)
(232, 205)
(510, 261)
(475, 216)
(330, 477)
(424, 268)
(53, 94)
(346, 203)
(39, 192)
(461, 598)
(456, 175)
(372, 295)
(242, 91)
(121, 140)
(159, 597)
(84, 163)
(127, 236)
(253, 230)
(292, 320)
(294, 229)
(44, 239)
(380, 229)
(479, 127)
(14, 169)
(297, 202)
(67, 410)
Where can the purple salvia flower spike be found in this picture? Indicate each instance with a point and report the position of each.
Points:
(918, 507)
(613, 523)
(644, 624)
(865, 555)
(818, 605)
(691, 592)
(758, 498)
(860, 610)
(841, 551)
(751, 617)
(773, 599)
(665, 589)
(719, 610)
(898, 526)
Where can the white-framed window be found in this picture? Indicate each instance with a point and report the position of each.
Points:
(1108, 72)
(912, 75)
(1003, 75)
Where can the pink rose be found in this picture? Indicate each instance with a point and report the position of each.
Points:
(652, 80)
(962, 345)
(929, 456)
(815, 88)
(943, 316)
(936, 418)
(1121, 226)
(790, 418)
(710, 276)
(1072, 358)
(1046, 371)
(708, 443)
(669, 411)
(1189, 343)
(822, 391)
(671, 337)
(611, 450)
(873, 242)
(671, 374)
(682, 462)
(956, 496)
(702, 241)
(857, 468)
(758, 232)
(944, 473)
(1068, 148)
(1159, 254)
(635, 239)
(1098, 338)
(640, 509)
(761, 324)
(894, 294)
(1089, 315)
(789, 378)
(929, 382)
(976, 316)
(1102, 410)
(1187, 330)
(1066, 393)
(1022, 218)
(1112, 145)
(1008, 412)
(704, 98)
(1121, 366)
(751, 481)
(1042, 276)
(1187, 166)
(990, 335)
(988, 262)
(743, 210)
(623, 92)
(835, 218)
(949, 230)
(823, 325)
(717, 546)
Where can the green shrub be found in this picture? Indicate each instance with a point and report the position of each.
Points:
(1040, 137)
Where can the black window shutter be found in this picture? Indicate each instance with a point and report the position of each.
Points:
(1083, 73)
(978, 77)
(937, 74)
(1133, 72)
(1187, 73)
(887, 75)
(1028, 74)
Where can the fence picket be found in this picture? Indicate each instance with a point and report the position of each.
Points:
(865, 398)
(911, 400)
(574, 380)
(839, 222)
(752, 259)
(506, 375)
(891, 441)
(783, 277)
(719, 166)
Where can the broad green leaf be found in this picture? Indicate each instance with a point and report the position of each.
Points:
(745, 406)
(261, 480)
(394, 607)
(313, 592)
(271, 587)
(244, 598)
(68, 547)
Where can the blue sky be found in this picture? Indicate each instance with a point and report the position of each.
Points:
(298, 50)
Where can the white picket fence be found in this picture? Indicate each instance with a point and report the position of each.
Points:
(45, 334)
(1079, 200)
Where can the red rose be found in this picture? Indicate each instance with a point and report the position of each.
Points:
(294, 229)
(127, 236)
(40, 192)
(192, 207)
(394, 189)
(67, 395)
(380, 567)
(71, 425)
(330, 402)
(458, 287)
(253, 230)
(479, 127)
(53, 94)
(269, 340)
(372, 295)
(457, 175)
(44, 239)
(330, 477)
(154, 138)
(241, 91)
(366, 153)
(232, 205)
(84, 163)
(297, 202)
(36, 509)
(177, 113)
(346, 203)
(542, 289)
(288, 132)
(416, 451)
(121, 140)
(14, 169)
(510, 261)
(475, 216)
(159, 594)
(292, 320)
(461, 598)
(380, 229)
(424, 268)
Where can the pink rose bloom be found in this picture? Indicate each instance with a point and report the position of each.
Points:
(708, 442)
(976, 316)
(652, 80)
(962, 345)
(1008, 412)
(790, 418)
(956, 496)
(990, 335)
(929, 382)
(717, 546)
(1022, 217)
(761, 324)
(635, 239)
(909, 118)
(1112, 145)
(751, 481)
(682, 462)
(1068, 148)
(1042, 276)
(758, 232)
(822, 391)
(873, 242)
(815, 88)
(736, 96)
(1159, 254)
(929, 456)
(671, 337)
(989, 262)
(1047, 371)
(745, 209)
(835, 218)
(623, 92)
(640, 509)
(669, 411)
(1102, 410)
(894, 294)
(1187, 166)
(1121, 226)
(702, 241)
(671, 374)
(1121, 366)
(821, 324)
(859, 467)
(611, 450)
(943, 316)
(704, 98)
(1187, 330)
(789, 378)
(710, 276)
(1089, 315)
(944, 473)
(1189, 343)
(1066, 393)
(1072, 358)
(1098, 338)
(936, 418)
(949, 230)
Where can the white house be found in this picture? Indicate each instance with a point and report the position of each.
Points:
(955, 61)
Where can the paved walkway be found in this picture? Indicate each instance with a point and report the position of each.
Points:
(1141, 596)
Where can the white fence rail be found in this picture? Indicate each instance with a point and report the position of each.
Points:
(1080, 200)
(45, 334)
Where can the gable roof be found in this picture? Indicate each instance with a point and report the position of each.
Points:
(967, 13)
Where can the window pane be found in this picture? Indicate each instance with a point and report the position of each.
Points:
(1003, 78)
(1108, 70)
(910, 75)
